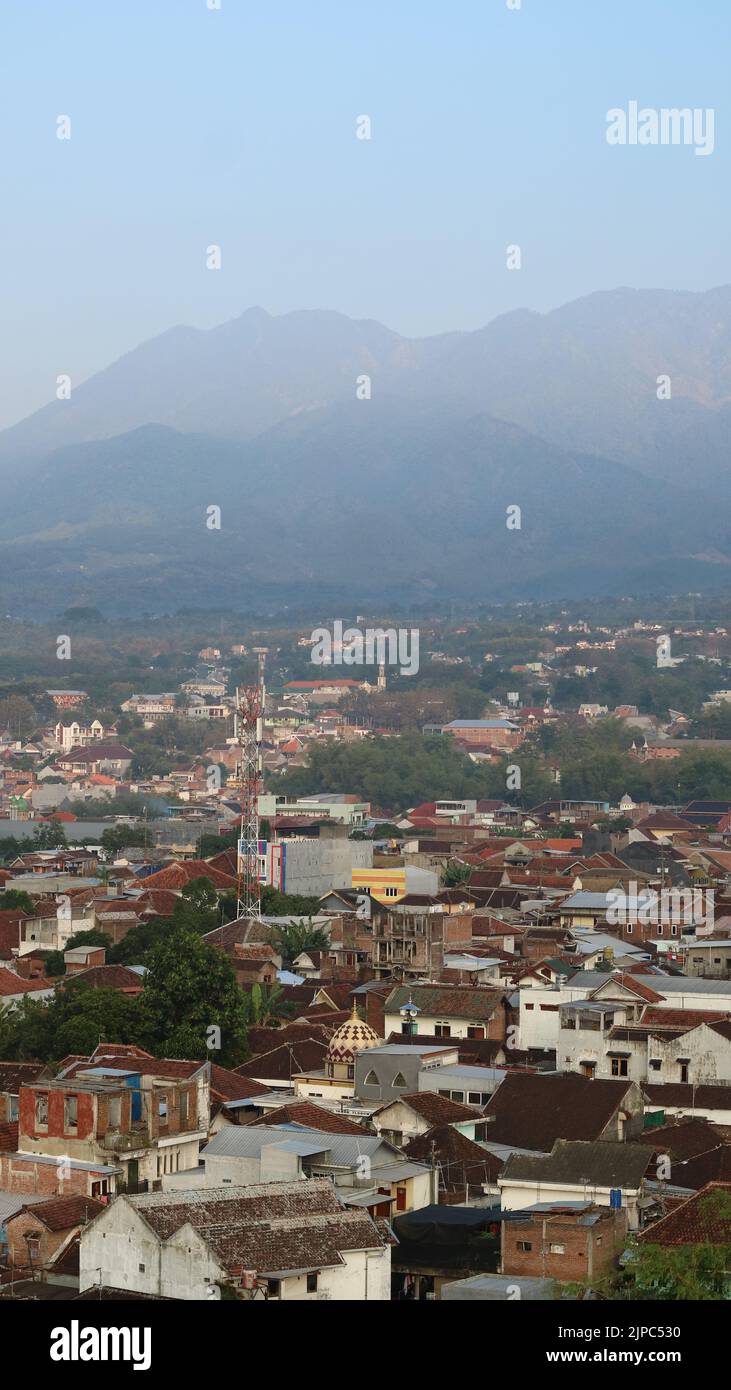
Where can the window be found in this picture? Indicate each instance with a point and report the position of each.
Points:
(312, 1283)
(442, 1030)
(13, 1109)
(475, 1032)
(525, 1245)
(619, 1066)
(474, 1098)
(162, 1109)
(399, 1081)
(273, 1287)
(530, 1006)
(456, 1095)
(141, 1269)
(184, 1099)
(34, 1247)
(392, 892)
(42, 1110)
(371, 1079)
(655, 1063)
(629, 931)
(70, 1112)
(557, 1249)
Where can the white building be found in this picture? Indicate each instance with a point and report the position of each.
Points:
(603, 1172)
(283, 1241)
(246, 1155)
(76, 735)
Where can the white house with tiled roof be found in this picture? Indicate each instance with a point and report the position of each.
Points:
(282, 1240)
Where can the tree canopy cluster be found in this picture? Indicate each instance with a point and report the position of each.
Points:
(394, 773)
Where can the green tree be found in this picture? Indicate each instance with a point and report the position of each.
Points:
(48, 836)
(276, 904)
(455, 873)
(136, 945)
(292, 938)
(119, 837)
(190, 988)
(93, 937)
(210, 845)
(263, 1005)
(75, 1020)
(18, 715)
(16, 898)
(54, 964)
(198, 907)
(83, 1017)
(10, 848)
(690, 1273)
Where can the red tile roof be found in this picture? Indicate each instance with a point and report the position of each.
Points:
(459, 1160)
(705, 1219)
(310, 1116)
(118, 977)
(11, 984)
(177, 876)
(532, 1110)
(13, 1075)
(435, 1109)
(63, 1213)
(282, 1063)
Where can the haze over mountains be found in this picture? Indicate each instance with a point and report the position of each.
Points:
(394, 498)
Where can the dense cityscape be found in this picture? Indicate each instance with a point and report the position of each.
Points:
(365, 680)
(452, 944)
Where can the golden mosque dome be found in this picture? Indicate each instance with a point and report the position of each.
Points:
(351, 1037)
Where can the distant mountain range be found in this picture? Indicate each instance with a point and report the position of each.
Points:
(402, 496)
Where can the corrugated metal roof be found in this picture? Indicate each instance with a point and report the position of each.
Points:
(10, 1202)
(299, 1146)
(247, 1141)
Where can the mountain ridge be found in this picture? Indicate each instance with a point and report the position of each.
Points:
(557, 413)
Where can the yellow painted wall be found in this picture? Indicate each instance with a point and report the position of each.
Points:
(376, 881)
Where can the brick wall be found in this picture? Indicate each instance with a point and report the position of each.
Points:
(171, 1123)
(26, 1175)
(24, 1224)
(561, 1248)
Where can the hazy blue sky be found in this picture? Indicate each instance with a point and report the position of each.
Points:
(192, 126)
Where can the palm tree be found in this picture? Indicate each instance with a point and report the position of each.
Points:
(263, 1005)
(292, 938)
